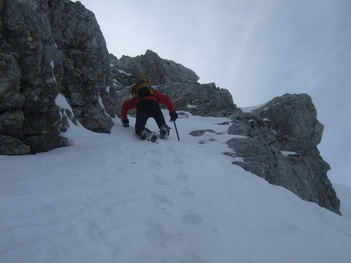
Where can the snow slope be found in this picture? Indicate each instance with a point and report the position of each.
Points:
(114, 198)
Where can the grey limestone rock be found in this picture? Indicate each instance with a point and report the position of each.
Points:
(281, 147)
(153, 68)
(198, 99)
(12, 146)
(46, 48)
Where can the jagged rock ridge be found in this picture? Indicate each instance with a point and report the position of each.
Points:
(152, 67)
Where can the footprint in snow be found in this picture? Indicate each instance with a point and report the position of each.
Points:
(191, 218)
(161, 199)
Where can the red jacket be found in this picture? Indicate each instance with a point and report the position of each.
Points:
(158, 96)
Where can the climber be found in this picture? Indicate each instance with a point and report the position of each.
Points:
(147, 100)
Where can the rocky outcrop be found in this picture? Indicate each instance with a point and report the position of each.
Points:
(150, 66)
(281, 147)
(84, 59)
(172, 79)
(200, 99)
(46, 48)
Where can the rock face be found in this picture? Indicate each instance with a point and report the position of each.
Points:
(172, 79)
(151, 67)
(198, 99)
(281, 146)
(49, 47)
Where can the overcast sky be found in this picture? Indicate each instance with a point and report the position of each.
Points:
(257, 49)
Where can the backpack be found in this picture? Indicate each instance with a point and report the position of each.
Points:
(142, 89)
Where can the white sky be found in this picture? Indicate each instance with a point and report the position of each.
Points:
(256, 49)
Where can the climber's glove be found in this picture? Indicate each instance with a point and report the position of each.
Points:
(173, 115)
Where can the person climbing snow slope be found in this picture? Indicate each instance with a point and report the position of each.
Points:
(147, 102)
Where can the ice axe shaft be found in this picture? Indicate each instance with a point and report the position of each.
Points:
(175, 127)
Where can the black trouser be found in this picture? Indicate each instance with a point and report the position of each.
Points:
(145, 109)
